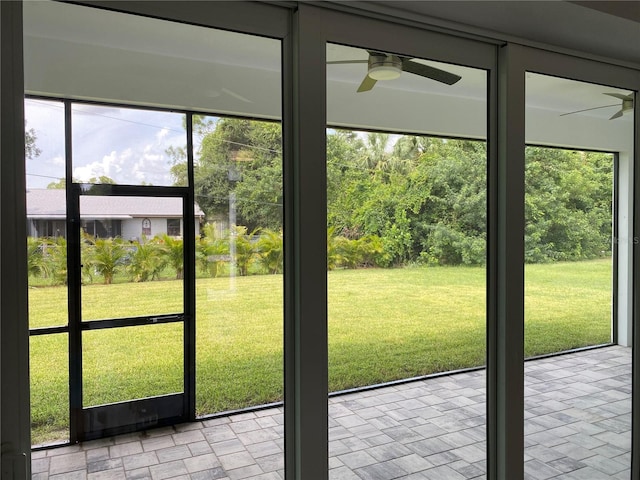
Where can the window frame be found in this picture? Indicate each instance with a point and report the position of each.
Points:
(304, 36)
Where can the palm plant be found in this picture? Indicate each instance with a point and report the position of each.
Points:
(173, 249)
(36, 266)
(211, 251)
(146, 260)
(270, 250)
(245, 248)
(106, 256)
(55, 260)
(334, 249)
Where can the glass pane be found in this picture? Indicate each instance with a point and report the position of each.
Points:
(568, 247)
(46, 213)
(127, 146)
(406, 268)
(578, 405)
(122, 364)
(126, 250)
(45, 151)
(48, 297)
(238, 184)
(49, 361)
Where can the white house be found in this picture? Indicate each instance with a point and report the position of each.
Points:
(107, 216)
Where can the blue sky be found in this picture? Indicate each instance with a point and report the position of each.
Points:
(127, 145)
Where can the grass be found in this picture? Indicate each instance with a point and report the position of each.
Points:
(384, 324)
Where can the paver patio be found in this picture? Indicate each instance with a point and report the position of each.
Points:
(577, 424)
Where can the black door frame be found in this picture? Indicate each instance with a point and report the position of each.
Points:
(136, 414)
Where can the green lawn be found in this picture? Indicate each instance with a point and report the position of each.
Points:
(384, 324)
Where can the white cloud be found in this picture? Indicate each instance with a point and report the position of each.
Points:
(162, 134)
(151, 167)
(111, 166)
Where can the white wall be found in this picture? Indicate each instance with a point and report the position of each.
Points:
(132, 228)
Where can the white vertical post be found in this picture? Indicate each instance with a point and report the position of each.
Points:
(233, 233)
(625, 242)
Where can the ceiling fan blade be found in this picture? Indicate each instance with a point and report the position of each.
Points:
(588, 109)
(429, 72)
(343, 62)
(367, 84)
(620, 96)
(618, 114)
(236, 95)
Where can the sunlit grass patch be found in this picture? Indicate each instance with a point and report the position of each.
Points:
(384, 324)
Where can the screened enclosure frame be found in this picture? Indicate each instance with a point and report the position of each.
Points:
(515, 61)
(305, 30)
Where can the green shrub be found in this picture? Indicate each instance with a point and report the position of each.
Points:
(173, 250)
(146, 260)
(212, 251)
(104, 255)
(55, 260)
(271, 251)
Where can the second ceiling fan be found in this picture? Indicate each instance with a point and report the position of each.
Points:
(385, 66)
(625, 106)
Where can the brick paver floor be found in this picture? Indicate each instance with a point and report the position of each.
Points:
(577, 427)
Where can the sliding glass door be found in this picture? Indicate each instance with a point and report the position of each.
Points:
(407, 164)
(577, 177)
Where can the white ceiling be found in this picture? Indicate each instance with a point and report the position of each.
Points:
(83, 53)
(610, 29)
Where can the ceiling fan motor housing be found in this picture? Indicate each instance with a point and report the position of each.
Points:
(384, 67)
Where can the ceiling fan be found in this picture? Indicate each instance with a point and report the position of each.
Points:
(626, 106)
(385, 66)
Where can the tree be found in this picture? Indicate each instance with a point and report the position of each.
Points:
(31, 150)
(423, 198)
(346, 182)
(178, 169)
(59, 185)
(101, 180)
(244, 156)
(239, 155)
(451, 221)
(568, 204)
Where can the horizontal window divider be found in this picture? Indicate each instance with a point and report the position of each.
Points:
(33, 332)
(130, 190)
(133, 321)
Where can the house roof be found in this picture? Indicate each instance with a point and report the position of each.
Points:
(51, 203)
